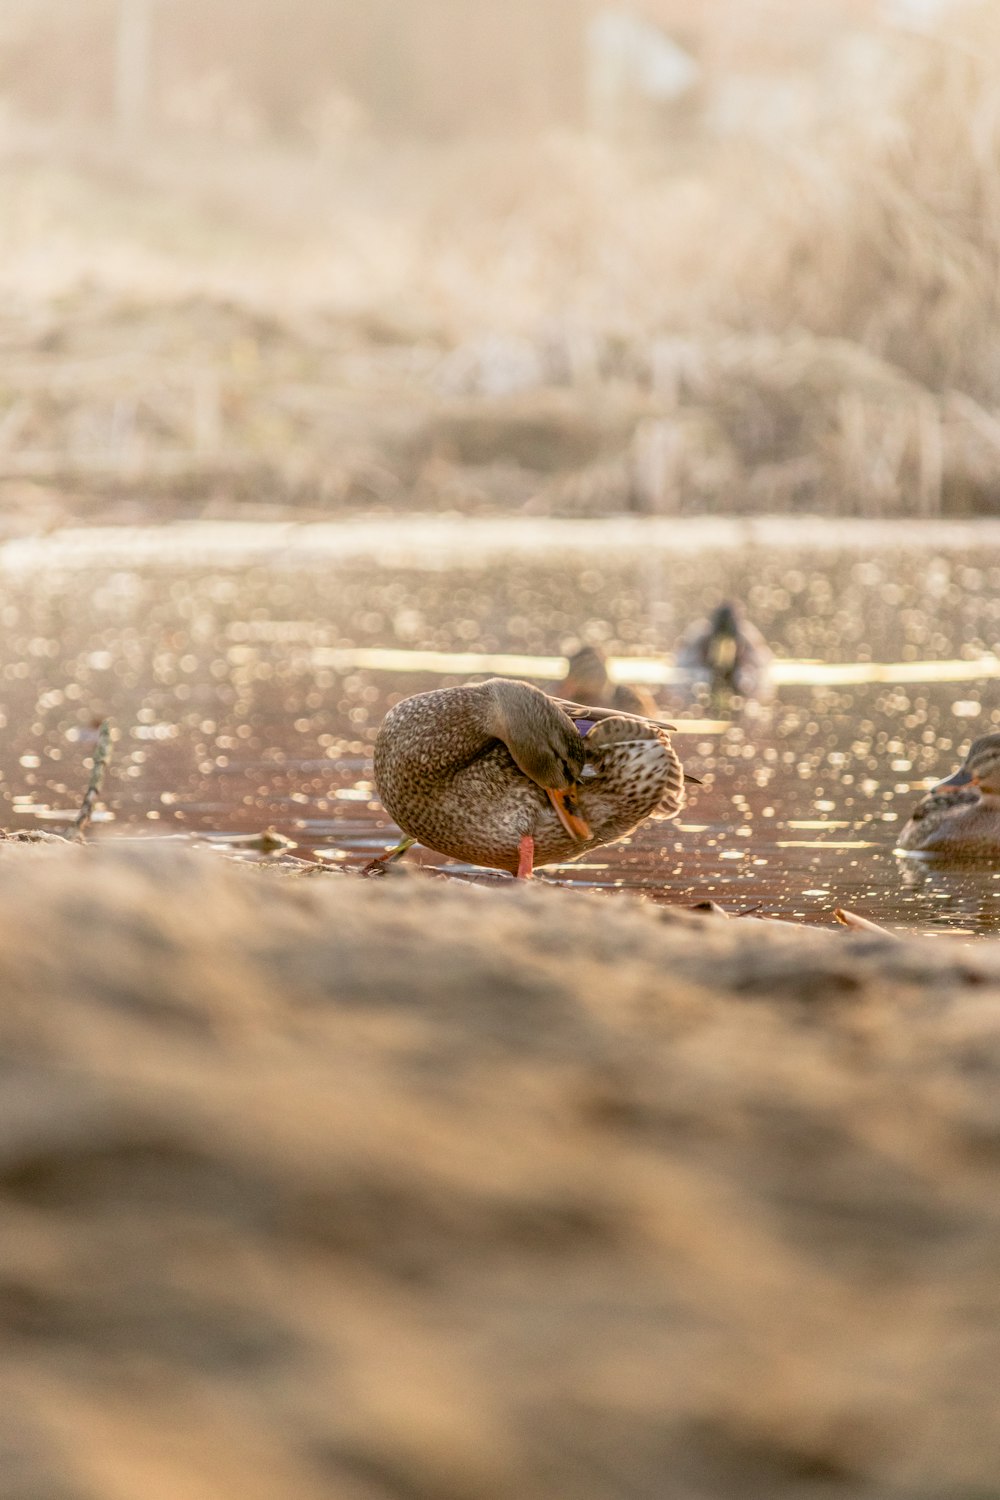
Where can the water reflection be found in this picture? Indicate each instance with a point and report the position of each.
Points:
(240, 704)
(953, 897)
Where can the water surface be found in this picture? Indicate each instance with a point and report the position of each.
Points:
(228, 659)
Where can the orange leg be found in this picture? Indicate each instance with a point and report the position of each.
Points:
(525, 857)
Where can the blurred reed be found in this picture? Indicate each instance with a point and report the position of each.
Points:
(553, 325)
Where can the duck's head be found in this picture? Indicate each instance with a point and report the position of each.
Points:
(980, 768)
(544, 743)
(724, 633)
(726, 618)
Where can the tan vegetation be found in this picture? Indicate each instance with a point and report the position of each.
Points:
(891, 237)
(562, 325)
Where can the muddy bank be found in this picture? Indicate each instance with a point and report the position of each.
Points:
(410, 1189)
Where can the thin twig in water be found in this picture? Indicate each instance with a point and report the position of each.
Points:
(859, 924)
(102, 754)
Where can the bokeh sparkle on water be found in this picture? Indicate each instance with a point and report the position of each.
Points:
(231, 719)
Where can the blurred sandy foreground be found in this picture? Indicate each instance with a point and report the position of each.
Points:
(323, 1187)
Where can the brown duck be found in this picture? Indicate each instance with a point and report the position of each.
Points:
(498, 773)
(587, 681)
(960, 817)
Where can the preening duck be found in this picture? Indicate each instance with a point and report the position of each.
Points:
(499, 773)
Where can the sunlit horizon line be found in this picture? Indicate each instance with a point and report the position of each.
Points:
(431, 541)
(646, 670)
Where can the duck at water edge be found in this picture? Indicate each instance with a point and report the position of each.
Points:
(500, 774)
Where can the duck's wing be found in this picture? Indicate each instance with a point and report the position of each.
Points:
(938, 803)
(581, 711)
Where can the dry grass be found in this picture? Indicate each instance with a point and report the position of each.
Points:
(561, 327)
(891, 236)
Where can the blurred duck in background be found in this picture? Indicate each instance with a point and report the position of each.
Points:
(727, 654)
(587, 681)
(960, 817)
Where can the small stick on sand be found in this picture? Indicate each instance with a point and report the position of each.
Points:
(859, 924)
(102, 754)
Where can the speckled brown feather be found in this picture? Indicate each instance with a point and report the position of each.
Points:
(453, 786)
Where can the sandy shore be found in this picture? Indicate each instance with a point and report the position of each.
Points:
(412, 1190)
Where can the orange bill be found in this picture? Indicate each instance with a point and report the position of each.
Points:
(568, 815)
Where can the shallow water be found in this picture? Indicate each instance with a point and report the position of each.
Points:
(225, 657)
